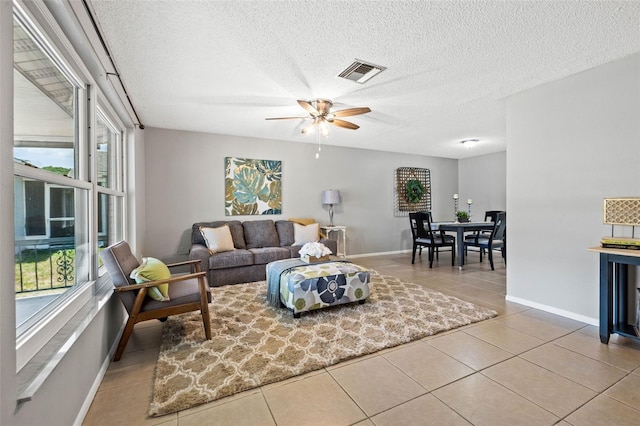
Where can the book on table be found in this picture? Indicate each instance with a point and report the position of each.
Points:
(620, 246)
(620, 243)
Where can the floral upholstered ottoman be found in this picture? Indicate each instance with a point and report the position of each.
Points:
(307, 287)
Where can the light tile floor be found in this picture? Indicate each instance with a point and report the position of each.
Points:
(524, 367)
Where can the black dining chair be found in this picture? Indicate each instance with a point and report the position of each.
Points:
(495, 241)
(471, 240)
(425, 236)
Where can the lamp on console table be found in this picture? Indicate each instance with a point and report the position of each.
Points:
(330, 197)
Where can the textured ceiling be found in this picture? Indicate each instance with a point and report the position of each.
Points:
(224, 66)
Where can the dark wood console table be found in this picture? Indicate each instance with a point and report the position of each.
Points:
(614, 277)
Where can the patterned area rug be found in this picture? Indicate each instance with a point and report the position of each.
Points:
(254, 344)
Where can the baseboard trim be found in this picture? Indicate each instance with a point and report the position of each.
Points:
(552, 310)
(382, 253)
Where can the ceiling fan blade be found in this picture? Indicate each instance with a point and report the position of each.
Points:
(344, 124)
(285, 118)
(351, 111)
(308, 107)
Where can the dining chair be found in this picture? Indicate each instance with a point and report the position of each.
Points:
(186, 292)
(471, 240)
(414, 235)
(495, 241)
(425, 236)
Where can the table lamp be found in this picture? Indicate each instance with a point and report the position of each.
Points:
(331, 197)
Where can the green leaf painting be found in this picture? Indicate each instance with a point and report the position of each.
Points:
(252, 187)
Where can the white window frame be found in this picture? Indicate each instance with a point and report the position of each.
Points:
(46, 32)
(109, 118)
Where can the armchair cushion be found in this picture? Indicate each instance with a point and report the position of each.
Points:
(120, 261)
(218, 239)
(180, 292)
(306, 234)
(153, 269)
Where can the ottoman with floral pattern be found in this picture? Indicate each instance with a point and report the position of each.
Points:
(316, 286)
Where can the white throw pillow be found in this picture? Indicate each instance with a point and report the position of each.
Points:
(217, 239)
(305, 234)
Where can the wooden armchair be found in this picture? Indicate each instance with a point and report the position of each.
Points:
(187, 292)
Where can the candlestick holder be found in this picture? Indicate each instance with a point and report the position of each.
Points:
(455, 207)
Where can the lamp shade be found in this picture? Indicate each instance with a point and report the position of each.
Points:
(331, 196)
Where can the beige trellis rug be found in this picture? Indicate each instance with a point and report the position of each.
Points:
(254, 344)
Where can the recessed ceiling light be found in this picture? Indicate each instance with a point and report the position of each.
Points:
(469, 143)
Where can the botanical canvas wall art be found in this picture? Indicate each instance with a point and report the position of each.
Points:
(252, 187)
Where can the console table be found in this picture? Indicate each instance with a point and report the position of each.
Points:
(342, 237)
(614, 281)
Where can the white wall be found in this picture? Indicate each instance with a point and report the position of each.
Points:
(185, 184)
(483, 179)
(570, 144)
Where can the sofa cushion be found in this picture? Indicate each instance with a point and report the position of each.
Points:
(262, 256)
(260, 233)
(235, 226)
(285, 232)
(218, 239)
(306, 234)
(231, 259)
(294, 251)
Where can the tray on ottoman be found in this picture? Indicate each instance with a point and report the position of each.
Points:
(315, 286)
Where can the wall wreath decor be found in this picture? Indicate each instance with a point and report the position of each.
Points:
(412, 190)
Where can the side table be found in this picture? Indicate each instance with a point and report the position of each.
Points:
(341, 238)
(614, 284)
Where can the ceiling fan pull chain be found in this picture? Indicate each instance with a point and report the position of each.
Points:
(319, 145)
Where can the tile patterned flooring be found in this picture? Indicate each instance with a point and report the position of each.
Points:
(524, 367)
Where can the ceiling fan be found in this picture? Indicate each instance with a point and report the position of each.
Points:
(320, 112)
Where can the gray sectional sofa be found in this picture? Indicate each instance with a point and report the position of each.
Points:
(256, 242)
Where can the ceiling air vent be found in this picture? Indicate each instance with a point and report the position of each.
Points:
(361, 71)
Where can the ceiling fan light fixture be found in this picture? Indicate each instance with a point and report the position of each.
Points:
(319, 111)
(311, 128)
(323, 126)
(469, 143)
(361, 71)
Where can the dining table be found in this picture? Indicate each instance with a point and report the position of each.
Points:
(460, 228)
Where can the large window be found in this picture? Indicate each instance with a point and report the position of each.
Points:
(69, 195)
